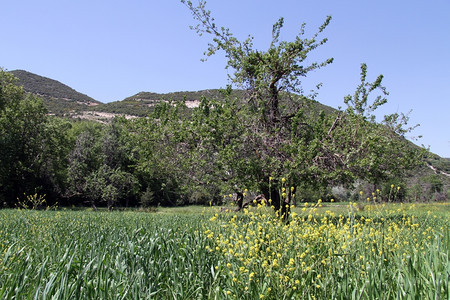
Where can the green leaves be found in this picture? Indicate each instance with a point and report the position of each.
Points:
(359, 103)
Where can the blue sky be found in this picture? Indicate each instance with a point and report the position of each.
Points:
(110, 50)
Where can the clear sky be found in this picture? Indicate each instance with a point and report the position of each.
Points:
(112, 49)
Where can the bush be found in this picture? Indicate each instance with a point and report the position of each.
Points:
(148, 199)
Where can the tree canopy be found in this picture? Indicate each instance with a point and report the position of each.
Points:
(288, 140)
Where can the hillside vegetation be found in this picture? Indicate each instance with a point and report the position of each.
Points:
(62, 100)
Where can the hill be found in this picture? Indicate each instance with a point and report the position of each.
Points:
(59, 98)
(142, 103)
(62, 100)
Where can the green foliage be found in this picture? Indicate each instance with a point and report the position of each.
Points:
(100, 165)
(58, 98)
(110, 185)
(393, 191)
(274, 138)
(435, 183)
(32, 145)
(148, 199)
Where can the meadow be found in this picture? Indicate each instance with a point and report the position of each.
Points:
(352, 251)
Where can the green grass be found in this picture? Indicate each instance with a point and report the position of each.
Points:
(71, 255)
(184, 253)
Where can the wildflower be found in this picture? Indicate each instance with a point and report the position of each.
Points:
(283, 180)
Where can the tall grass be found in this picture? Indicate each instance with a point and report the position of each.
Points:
(71, 255)
(379, 253)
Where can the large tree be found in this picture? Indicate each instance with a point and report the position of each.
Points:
(33, 148)
(282, 134)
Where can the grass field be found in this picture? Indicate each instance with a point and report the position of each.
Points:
(348, 251)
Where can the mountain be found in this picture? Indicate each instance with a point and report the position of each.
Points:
(59, 98)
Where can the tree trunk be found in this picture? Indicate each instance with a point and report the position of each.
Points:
(239, 201)
(281, 206)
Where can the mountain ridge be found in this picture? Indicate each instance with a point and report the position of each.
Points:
(64, 101)
(58, 97)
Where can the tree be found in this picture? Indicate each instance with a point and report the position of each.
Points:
(165, 154)
(100, 166)
(29, 145)
(266, 75)
(287, 139)
(354, 146)
(110, 185)
(84, 160)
